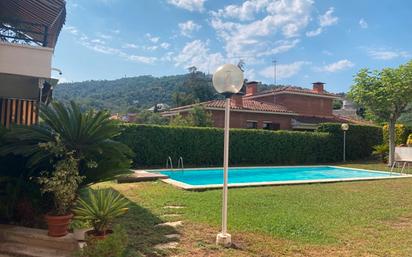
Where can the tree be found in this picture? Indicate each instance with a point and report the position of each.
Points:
(200, 117)
(149, 117)
(89, 135)
(197, 117)
(385, 95)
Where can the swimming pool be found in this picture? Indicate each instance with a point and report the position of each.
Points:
(255, 176)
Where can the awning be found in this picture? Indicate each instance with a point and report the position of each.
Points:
(40, 20)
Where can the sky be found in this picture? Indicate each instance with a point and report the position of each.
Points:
(327, 41)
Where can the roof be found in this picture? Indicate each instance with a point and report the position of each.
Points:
(248, 105)
(293, 90)
(49, 13)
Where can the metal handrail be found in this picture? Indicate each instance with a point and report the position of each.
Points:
(180, 163)
(169, 161)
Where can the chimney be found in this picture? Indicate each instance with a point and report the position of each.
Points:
(251, 88)
(237, 100)
(318, 87)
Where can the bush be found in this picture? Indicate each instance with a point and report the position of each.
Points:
(409, 142)
(401, 133)
(204, 146)
(113, 246)
(360, 139)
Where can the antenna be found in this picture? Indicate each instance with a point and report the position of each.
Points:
(274, 71)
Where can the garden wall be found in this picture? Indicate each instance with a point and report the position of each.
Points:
(204, 146)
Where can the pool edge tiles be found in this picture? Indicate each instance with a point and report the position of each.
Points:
(187, 186)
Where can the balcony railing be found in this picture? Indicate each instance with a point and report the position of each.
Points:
(21, 32)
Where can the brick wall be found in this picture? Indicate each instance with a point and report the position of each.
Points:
(239, 119)
(306, 105)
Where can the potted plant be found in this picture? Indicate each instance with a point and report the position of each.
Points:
(62, 184)
(80, 227)
(409, 141)
(100, 208)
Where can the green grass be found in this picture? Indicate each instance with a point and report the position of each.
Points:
(320, 215)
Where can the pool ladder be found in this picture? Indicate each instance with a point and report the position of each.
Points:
(180, 164)
(169, 163)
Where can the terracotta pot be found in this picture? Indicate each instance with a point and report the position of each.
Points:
(80, 233)
(58, 225)
(93, 235)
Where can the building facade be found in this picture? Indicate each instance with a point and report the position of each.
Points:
(284, 108)
(28, 34)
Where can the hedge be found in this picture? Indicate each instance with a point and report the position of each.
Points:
(360, 139)
(204, 146)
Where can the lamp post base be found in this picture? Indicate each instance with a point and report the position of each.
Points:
(224, 240)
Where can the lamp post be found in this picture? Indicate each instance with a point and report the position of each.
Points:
(227, 80)
(345, 128)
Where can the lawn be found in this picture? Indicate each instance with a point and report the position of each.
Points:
(371, 218)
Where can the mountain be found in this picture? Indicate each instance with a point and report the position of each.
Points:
(121, 94)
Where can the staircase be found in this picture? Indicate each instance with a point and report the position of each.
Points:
(18, 241)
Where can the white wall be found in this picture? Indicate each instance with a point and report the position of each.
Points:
(25, 60)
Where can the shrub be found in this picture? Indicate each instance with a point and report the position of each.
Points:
(88, 134)
(401, 133)
(409, 141)
(63, 181)
(360, 139)
(113, 246)
(100, 209)
(204, 146)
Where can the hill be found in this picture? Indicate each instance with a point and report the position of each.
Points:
(121, 94)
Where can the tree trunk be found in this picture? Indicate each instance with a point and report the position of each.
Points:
(392, 132)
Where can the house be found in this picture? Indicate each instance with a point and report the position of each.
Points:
(28, 34)
(285, 108)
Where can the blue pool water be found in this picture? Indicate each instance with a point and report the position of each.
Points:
(204, 177)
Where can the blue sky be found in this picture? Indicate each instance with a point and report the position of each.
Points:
(326, 41)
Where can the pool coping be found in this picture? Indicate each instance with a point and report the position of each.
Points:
(185, 186)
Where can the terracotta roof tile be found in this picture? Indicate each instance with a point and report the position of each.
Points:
(296, 90)
(251, 105)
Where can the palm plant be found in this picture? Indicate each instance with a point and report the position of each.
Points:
(100, 208)
(89, 135)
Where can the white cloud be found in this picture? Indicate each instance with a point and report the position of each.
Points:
(386, 54)
(283, 70)
(197, 53)
(188, 27)
(363, 24)
(71, 29)
(130, 45)
(314, 33)
(337, 66)
(243, 12)
(251, 37)
(190, 5)
(326, 52)
(328, 19)
(152, 38)
(142, 59)
(325, 20)
(165, 45)
(100, 46)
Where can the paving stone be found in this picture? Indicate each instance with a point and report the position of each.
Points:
(171, 215)
(173, 224)
(170, 245)
(173, 207)
(173, 236)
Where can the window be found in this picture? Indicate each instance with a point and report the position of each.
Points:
(251, 124)
(270, 125)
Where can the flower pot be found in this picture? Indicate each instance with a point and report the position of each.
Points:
(80, 233)
(58, 225)
(93, 235)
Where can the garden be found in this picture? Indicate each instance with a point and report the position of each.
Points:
(61, 175)
(66, 167)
